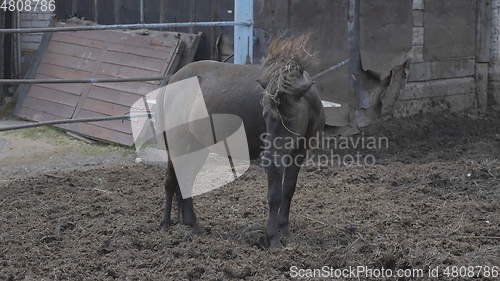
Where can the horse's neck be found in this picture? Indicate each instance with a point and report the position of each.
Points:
(290, 105)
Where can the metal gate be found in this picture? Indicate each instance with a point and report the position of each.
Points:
(243, 43)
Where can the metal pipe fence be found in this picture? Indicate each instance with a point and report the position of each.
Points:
(124, 26)
(243, 41)
(70, 121)
(243, 52)
(73, 81)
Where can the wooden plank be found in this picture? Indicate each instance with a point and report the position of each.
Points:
(144, 52)
(73, 50)
(80, 137)
(63, 72)
(52, 95)
(483, 30)
(69, 62)
(49, 107)
(482, 86)
(455, 103)
(75, 89)
(120, 71)
(123, 126)
(139, 88)
(103, 133)
(437, 88)
(34, 114)
(113, 96)
(441, 70)
(105, 107)
(69, 38)
(131, 38)
(124, 39)
(133, 61)
(86, 91)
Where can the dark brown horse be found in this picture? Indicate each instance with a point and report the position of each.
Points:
(276, 101)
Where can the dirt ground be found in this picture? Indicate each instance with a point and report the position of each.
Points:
(432, 199)
(47, 149)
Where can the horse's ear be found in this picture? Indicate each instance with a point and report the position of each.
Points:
(262, 83)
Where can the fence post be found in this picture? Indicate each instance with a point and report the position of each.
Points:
(2, 57)
(243, 34)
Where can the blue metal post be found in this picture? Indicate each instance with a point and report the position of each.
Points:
(243, 34)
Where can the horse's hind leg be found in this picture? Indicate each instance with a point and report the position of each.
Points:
(187, 215)
(170, 186)
(185, 207)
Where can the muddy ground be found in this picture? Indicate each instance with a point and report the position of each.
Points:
(432, 199)
(47, 149)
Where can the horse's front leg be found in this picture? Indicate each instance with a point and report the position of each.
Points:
(289, 185)
(187, 216)
(274, 191)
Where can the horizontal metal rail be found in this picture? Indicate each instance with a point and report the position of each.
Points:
(330, 69)
(70, 121)
(68, 81)
(123, 26)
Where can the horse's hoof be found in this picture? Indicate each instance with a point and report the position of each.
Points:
(164, 226)
(285, 232)
(196, 228)
(275, 244)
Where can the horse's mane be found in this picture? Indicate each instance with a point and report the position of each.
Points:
(284, 56)
(281, 51)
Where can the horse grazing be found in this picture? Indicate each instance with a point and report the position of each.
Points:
(280, 108)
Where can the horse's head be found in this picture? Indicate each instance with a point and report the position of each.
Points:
(283, 69)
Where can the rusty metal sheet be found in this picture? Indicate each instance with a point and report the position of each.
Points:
(102, 54)
(386, 34)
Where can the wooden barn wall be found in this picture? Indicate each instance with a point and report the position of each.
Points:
(432, 51)
(448, 68)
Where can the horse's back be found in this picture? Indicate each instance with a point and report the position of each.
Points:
(230, 89)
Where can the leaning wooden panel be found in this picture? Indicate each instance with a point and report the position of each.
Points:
(99, 54)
